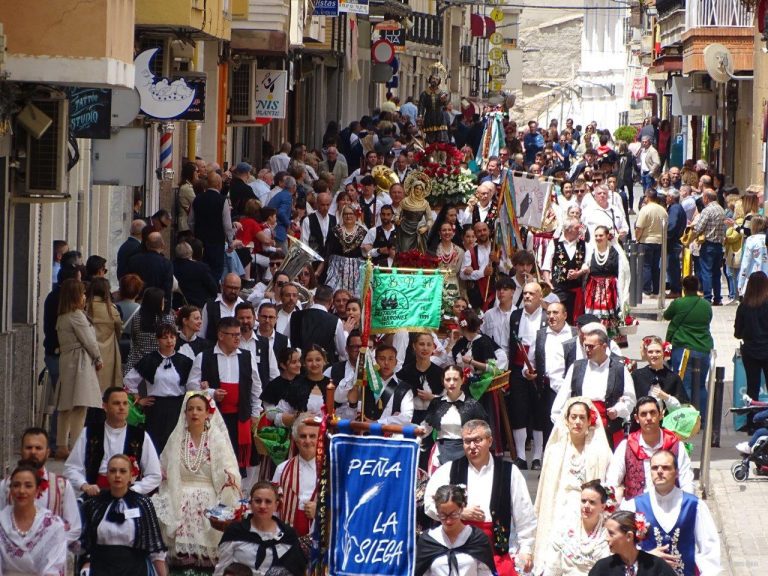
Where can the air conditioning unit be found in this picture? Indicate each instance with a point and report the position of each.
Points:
(43, 160)
(466, 56)
(701, 84)
(242, 91)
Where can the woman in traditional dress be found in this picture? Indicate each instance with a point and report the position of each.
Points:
(449, 214)
(448, 413)
(343, 252)
(199, 471)
(601, 296)
(453, 548)
(121, 533)
(32, 539)
(108, 325)
(449, 256)
(423, 376)
(159, 381)
(577, 451)
(623, 531)
(189, 320)
(79, 363)
(574, 551)
(284, 387)
(144, 326)
(657, 379)
(416, 214)
(262, 540)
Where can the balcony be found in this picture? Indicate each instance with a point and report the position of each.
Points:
(261, 26)
(200, 19)
(726, 22)
(43, 46)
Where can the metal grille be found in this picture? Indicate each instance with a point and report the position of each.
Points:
(156, 65)
(44, 153)
(239, 102)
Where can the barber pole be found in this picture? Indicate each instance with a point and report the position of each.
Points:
(166, 151)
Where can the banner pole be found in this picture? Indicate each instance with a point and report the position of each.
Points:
(366, 427)
(427, 271)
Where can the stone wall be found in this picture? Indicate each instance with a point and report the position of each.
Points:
(18, 385)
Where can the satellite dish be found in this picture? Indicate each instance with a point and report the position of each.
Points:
(125, 106)
(719, 62)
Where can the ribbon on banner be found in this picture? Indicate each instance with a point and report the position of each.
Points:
(373, 527)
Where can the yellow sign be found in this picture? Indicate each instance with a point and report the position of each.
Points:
(497, 15)
(495, 54)
(496, 39)
(497, 85)
(495, 70)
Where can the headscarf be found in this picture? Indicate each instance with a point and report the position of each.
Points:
(225, 474)
(597, 456)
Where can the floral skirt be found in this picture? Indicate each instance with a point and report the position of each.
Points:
(344, 273)
(601, 298)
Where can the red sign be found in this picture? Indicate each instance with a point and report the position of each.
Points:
(639, 88)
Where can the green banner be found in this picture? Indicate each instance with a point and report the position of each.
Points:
(405, 301)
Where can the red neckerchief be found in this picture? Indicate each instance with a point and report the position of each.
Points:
(668, 440)
(43, 482)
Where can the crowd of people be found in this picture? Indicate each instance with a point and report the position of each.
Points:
(191, 383)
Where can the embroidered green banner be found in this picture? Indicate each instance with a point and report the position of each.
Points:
(405, 301)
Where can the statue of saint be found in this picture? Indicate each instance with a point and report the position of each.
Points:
(432, 111)
(416, 214)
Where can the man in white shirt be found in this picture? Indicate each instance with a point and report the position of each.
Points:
(289, 303)
(479, 206)
(380, 242)
(478, 267)
(343, 373)
(680, 526)
(55, 492)
(566, 263)
(315, 227)
(524, 324)
(262, 185)
(279, 162)
(297, 478)
(485, 477)
(222, 307)
(249, 338)
(548, 373)
(630, 469)
(86, 467)
(605, 380)
(603, 214)
(496, 320)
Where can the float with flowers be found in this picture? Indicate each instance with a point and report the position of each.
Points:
(452, 181)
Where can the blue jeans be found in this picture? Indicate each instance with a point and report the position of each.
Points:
(711, 260)
(677, 357)
(756, 436)
(731, 275)
(674, 249)
(651, 268)
(647, 181)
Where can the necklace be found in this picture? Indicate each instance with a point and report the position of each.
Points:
(446, 255)
(602, 257)
(22, 533)
(193, 463)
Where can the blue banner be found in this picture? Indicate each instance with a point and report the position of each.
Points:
(373, 524)
(326, 8)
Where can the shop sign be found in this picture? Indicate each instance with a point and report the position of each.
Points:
(271, 93)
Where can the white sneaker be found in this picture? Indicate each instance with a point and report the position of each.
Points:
(744, 447)
(747, 399)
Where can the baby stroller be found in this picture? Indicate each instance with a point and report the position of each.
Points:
(759, 450)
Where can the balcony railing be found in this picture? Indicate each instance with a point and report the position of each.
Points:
(717, 13)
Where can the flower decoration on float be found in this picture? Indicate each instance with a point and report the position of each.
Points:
(135, 471)
(451, 182)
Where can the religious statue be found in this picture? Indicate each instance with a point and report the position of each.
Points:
(432, 108)
(416, 214)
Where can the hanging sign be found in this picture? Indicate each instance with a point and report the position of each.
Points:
(531, 200)
(271, 93)
(163, 99)
(353, 6)
(90, 112)
(373, 526)
(326, 8)
(405, 301)
(393, 32)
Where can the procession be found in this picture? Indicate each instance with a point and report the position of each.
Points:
(315, 312)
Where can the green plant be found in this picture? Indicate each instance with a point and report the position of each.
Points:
(625, 133)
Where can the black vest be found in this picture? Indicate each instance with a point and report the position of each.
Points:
(501, 501)
(369, 211)
(338, 369)
(315, 326)
(561, 264)
(615, 387)
(197, 345)
(381, 242)
(262, 350)
(94, 448)
(148, 366)
(469, 409)
(207, 208)
(316, 238)
(209, 369)
(394, 390)
(214, 317)
(540, 358)
(514, 327)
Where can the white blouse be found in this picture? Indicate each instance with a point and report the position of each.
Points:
(42, 550)
(111, 534)
(245, 553)
(468, 566)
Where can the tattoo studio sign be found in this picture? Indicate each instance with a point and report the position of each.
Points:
(373, 525)
(405, 301)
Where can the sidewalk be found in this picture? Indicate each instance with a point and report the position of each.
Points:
(738, 508)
